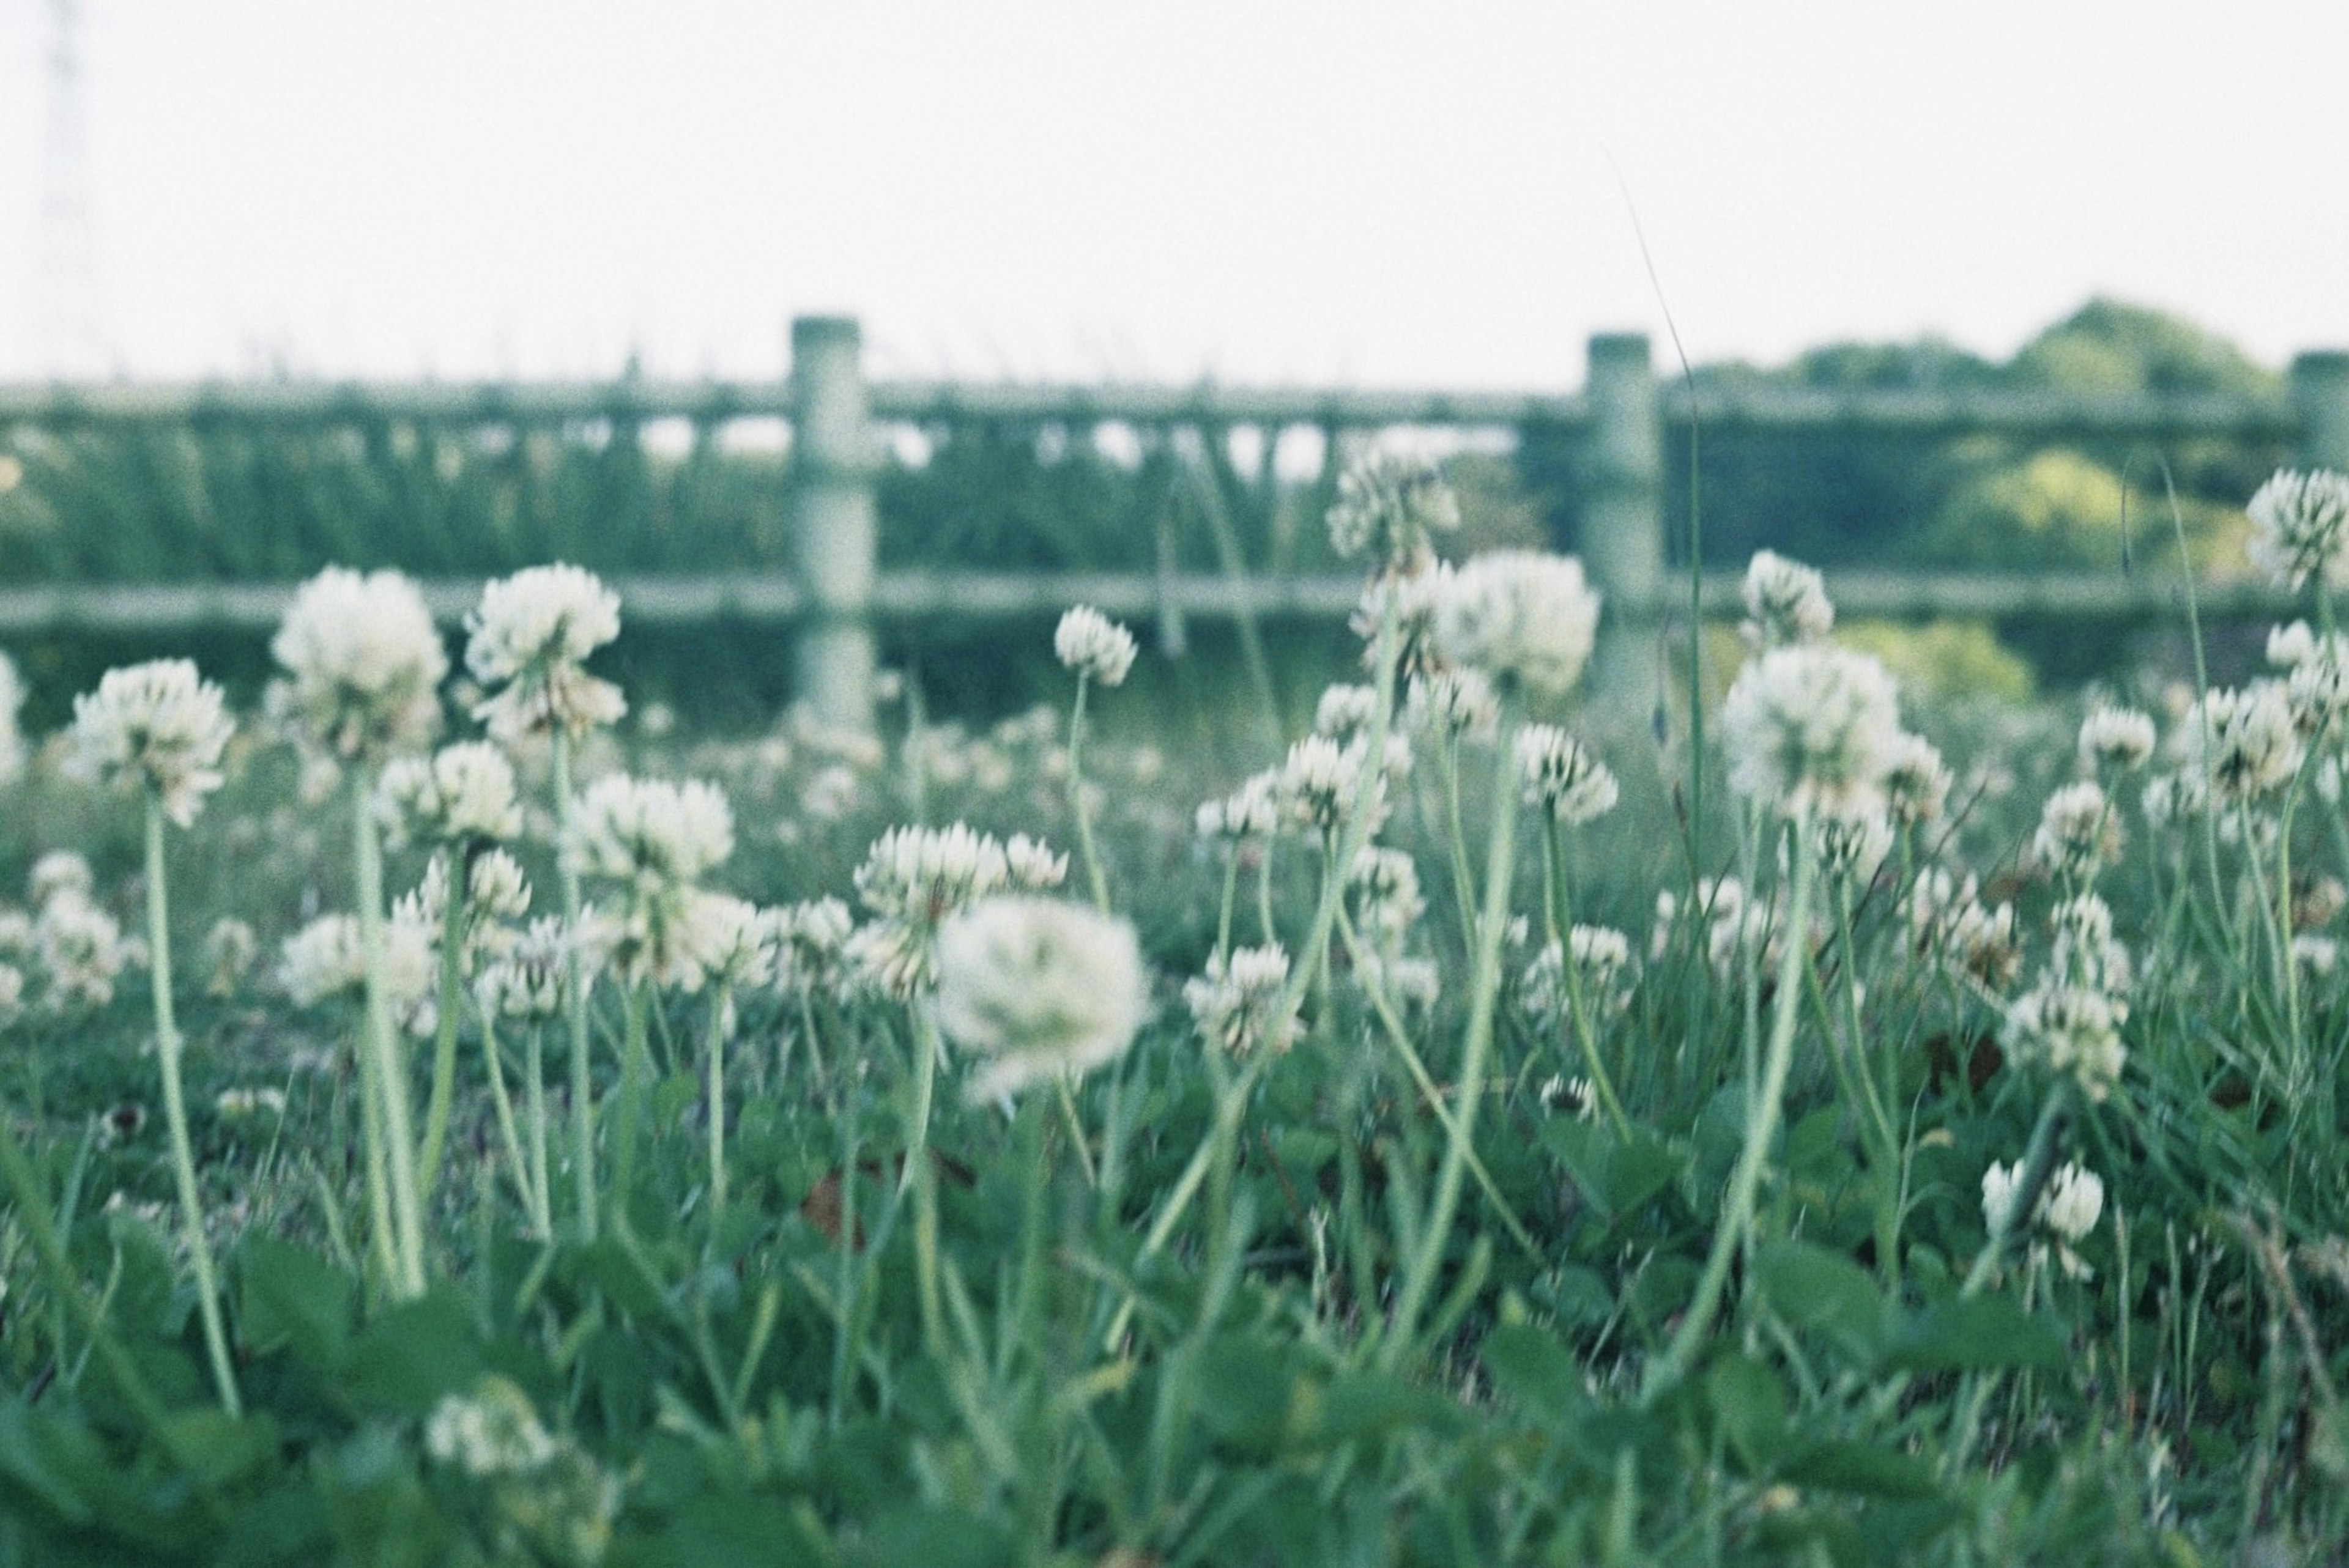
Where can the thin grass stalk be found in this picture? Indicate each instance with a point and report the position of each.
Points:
(1578, 1008)
(175, 1112)
(1077, 803)
(721, 1005)
(628, 1102)
(508, 1132)
(582, 1086)
(384, 1045)
(1765, 1107)
(456, 884)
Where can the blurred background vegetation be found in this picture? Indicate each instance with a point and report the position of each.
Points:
(217, 498)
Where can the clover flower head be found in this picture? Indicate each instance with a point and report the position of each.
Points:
(531, 978)
(2244, 740)
(157, 726)
(1345, 711)
(12, 704)
(540, 616)
(651, 833)
(1519, 616)
(1038, 987)
(1811, 729)
(230, 948)
(1252, 811)
(810, 938)
(82, 952)
(1389, 504)
(1235, 1003)
(2075, 1198)
(58, 874)
(2120, 738)
(461, 794)
(2078, 832)
(1458, 703)
(1854, 848)
(1786, 602)
(2071, 1030)
(2300, 527)
(494, 1432)
(1320, 780)
(1916, 780)
(363, 665)
(1093, 645)
(1559, 775)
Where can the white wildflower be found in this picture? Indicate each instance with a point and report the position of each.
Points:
(1559, 775)
(363, 666)
(2078, 832)
(1235, 1003)
(60, 874)
(2075, 1198)
(1811, 729)
(1320, 781)
(2299, 529)
(650, 833)
(461, 794)
(1916, 780)
(529, 638)
(82, 951)
(531, 977)
(1251, 812)
(156, 726)
(1093, 645)
(1388, 504)
(1460, 703)
(1786, 603)
(230, 948)
(12, 704)
(1032, 864)
(249, 1104)
(1038, 986)
(1345, 711)
(1519, 616)
(2245, 740)
(2070, 1030)
(2116, 737)
(494, 1432)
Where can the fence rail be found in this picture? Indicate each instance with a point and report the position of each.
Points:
(1623, 421)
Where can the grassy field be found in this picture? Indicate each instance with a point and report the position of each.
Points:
(1822, 1134)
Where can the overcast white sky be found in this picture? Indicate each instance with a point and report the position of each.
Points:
(1253, 190)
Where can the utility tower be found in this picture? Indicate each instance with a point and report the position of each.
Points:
(66, 340)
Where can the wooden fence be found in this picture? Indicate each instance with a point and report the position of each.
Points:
(1626, 419)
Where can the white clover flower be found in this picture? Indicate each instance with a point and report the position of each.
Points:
(2078, 832)
(494, 1432)
(1458, 703)
(650, 833)
(1854, 849)
(912, 880)
(1388, 901)
(2318, 955)
(1413, 598)
(12, 704)
(363, 666)
(2070, 1030)
(1388, 504)
(1999, 1184)
(1320, 780)
(1916, 782)
(1093, 645)
(2316, 681)
(1519, 616)
(2085, 952)
(2116, 737)
(230, 948)
(2171, 798)
(82, 951)
(60, 874)
(1602, 969)
(2290, 644)
(2299, 529)
(1811, 729)
(156, 726)
(1574, 1095)
(1602, 958)
(1236, 1002)
(1949, 922)
(1038, 987)
(1559, 775)
(665, 939)
(249, 1104)
(2244, 740)
(529, 637)
(16, 939)
(461, 794)
(12, 993)
(1343, 712)
(326, 959)
(1786, 603)
(495, 889)
(740, 942)
(810, 938)
(1032, 864)
(531, 979)
(2076, 1196)
(1251, 812)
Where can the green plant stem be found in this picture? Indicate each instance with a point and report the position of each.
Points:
(175, 1113)
(1485, 988)
(582, 1084)
(2038, 1165)
(1578, 1007)
(507, 1131)
(1762, 1113)
(1077, 804)
(534, 1102)
(628, 1103)
(384, 1045)
(922, 1181)
(456, 885)
(721, 1005)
